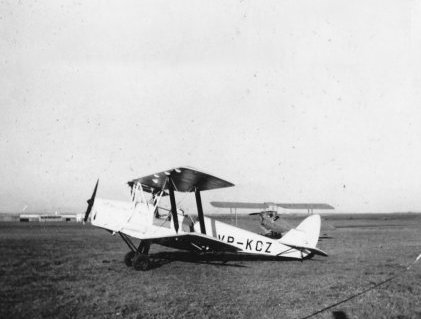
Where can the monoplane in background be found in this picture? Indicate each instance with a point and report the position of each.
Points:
(270, 221)
(143, 218)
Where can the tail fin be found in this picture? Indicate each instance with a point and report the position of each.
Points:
(305, 236)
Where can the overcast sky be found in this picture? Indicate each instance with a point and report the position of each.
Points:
(299, 101)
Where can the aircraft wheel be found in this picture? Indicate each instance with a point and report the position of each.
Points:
(128, 258)
(141, 262)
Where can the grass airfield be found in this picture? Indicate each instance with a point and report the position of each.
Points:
(67, 270)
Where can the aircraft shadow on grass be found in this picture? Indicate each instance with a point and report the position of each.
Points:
(224, 260)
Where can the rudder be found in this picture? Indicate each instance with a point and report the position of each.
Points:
(306, 234)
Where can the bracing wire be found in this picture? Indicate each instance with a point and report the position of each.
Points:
(365, 290)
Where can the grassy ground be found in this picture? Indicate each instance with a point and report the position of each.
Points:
(70, 270)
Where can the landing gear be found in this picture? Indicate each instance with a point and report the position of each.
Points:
(128, 259)
(137, 257)
(141, 258)
(141, 262)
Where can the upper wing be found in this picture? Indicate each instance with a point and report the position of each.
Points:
(184, 179)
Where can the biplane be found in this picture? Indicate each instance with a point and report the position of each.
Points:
(143, 219)
(270, 221)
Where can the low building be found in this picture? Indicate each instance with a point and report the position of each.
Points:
(50, 218)
(72, 217)
(29, 218)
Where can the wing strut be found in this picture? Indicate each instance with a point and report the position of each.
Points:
(173, 205)
(200, 211)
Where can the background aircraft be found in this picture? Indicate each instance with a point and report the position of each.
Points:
(273, 225)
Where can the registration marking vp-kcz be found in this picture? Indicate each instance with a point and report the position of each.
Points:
(258, 245)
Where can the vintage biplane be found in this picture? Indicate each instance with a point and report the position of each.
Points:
(143, 218)
(270, 221)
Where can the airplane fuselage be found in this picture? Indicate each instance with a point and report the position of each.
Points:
(248, 242)
(141, 221)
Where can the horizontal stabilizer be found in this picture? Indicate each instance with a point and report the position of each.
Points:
(314, 250)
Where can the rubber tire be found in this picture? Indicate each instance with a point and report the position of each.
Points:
(141, 262)
(128, 258)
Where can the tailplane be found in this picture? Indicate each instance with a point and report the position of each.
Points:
(305, 236)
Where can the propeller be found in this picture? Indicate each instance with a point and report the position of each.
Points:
(91, 202)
